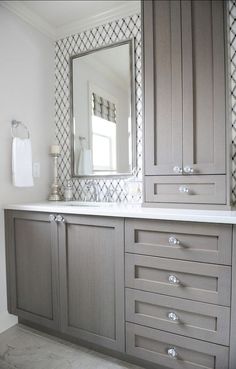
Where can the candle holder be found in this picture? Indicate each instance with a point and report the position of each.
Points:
(55, 195)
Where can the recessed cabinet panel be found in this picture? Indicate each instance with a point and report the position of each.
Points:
(174, 351)
(162, 87)
(33, 255)
(91, 279)
(32, 267)
(185, 317)
(186, 189)
(209, 243)
(195, 281)
(203, 86)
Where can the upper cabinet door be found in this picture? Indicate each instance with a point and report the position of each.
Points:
(162, 87)
(203, 61)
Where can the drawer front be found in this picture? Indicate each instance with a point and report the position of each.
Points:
(195, 281)
(185, 317)
(186, 189)
(210, 243)
(157, 346)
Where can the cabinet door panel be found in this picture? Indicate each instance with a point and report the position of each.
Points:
(203, 86)
(92, 279)
(32, 267)
(162, 86)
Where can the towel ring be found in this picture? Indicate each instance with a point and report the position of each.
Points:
(15, 124)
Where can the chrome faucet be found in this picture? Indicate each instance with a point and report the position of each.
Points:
(95, 196)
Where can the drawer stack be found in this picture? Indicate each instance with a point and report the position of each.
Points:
(178, 290)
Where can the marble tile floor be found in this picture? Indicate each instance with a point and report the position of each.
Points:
(24, 348)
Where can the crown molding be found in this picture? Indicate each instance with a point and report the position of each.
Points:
(19, 9)
(22, 11)
(130, 8)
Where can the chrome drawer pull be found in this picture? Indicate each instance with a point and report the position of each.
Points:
(173, 241)
(172, 316)
(52, 218)
(188, 170)
(173, 279)
(183, 189)
(172, 352)
(177, 170)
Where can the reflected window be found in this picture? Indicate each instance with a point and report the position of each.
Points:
(103, 134)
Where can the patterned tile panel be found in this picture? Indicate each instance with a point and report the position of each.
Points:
(232, 70)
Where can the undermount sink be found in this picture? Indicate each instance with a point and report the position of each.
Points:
(89, 204)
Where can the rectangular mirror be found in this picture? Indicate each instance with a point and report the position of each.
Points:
(103, 134)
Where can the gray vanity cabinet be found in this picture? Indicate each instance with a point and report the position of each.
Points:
(184, 99)
(32, 267)
(91, 254)
(66, 272)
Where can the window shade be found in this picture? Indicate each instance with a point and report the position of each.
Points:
(103, 108)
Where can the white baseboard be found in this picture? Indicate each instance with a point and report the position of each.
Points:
(7, 321)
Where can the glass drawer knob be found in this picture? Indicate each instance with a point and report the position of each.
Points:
(52, 218)
(60, 219)
(173, 279)
(188, 170)
(183, 189)
(173, 241)
(177, 170)
(172, 316)
(172, 352)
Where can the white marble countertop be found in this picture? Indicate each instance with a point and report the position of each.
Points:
(129, 211)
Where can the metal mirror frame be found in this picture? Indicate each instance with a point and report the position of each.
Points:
(130, 43)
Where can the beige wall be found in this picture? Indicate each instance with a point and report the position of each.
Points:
(26, 93)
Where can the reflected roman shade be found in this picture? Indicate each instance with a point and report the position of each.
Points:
(103, 108)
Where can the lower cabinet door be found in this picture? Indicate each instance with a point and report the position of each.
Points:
(91, 259)
(173, 351)
(32, 267)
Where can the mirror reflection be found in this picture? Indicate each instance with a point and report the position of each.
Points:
(103, 138)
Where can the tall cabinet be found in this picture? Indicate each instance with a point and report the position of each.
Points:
(185, 102)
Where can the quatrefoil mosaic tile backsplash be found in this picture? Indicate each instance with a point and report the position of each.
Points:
(120, 30)
(116, 31)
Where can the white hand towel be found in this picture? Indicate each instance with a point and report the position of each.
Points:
(22, 174)
(85, 162)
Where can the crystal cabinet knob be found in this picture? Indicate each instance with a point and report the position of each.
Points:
(183, 189)
(188, 170)
(52, 218)
(172, 352)
(173, 279)
(60, 219)
(173, 241)
(177, 170)
(172, 316)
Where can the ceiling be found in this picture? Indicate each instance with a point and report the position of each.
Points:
(61, 18)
